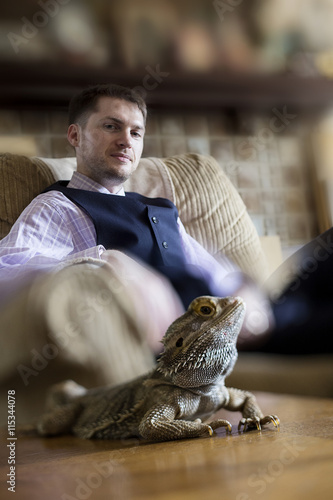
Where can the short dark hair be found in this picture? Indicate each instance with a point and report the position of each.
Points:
(85, 102)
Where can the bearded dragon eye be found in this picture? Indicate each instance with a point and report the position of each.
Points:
(206, 310)
(204, 307)
(179, 342)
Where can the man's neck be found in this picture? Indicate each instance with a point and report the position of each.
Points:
(82, 181)
(112, 183)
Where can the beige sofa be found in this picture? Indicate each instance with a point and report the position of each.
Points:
(212, 212)
(209, 206)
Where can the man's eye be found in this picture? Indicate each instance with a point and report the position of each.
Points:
(136, 134)
(109, 126)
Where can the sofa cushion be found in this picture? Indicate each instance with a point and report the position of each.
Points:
(21, 179)
(213, 212)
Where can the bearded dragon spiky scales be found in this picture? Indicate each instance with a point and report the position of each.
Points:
(186, 387)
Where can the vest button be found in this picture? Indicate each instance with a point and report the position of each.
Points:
(155, 220)
(164, 244)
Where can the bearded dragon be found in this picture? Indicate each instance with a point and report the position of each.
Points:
(172, 401)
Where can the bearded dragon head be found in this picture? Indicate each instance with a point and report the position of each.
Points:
(200, 346)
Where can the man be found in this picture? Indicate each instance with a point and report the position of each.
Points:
(107, 126)
(85, 260)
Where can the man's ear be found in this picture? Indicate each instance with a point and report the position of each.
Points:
(73, 134)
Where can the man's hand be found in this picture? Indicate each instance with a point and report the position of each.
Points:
(259, 319)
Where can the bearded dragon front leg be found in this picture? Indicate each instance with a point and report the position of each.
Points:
(252, 416)
(161, 424)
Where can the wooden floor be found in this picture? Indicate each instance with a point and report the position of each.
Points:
(293, 463)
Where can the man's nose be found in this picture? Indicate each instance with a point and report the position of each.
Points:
(125, 139)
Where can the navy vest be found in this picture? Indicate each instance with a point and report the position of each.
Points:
(140, 227)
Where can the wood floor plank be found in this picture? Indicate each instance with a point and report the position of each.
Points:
(295, 462)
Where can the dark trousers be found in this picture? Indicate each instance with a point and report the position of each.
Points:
(304, 310)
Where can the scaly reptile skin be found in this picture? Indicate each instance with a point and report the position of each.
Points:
(186, 387)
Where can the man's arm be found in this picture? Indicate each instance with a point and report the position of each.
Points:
(225, 278)
(50, 231)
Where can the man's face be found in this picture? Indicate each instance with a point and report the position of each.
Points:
(109, 146)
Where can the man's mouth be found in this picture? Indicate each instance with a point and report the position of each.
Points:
(121, 157)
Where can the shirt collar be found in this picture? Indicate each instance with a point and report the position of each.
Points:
(81, 181)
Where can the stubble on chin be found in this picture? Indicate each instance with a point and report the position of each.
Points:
(101, 170)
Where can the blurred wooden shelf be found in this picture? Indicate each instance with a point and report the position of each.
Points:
(48, 85)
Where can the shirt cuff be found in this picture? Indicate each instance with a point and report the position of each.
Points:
(94, 252)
